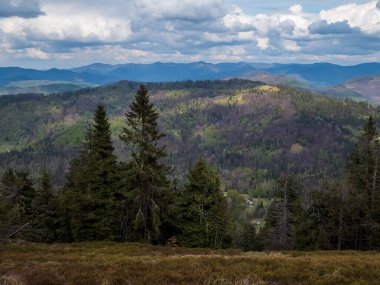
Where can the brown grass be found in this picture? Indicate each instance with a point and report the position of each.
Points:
(116, 264)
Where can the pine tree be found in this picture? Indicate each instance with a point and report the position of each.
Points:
(250, 241)
(369, 129)
(236, 206)
(46, 216)
(336, 215)
(203, 217)
(284, 216)
(91, 184)
(148, 184)
(284, 230)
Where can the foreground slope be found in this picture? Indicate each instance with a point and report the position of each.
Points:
(250, 131)
(108, 263)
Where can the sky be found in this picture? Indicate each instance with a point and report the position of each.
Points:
(44, 34)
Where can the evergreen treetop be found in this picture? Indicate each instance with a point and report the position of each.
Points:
(148, 175)
(46, 216)
(142, 131)
(370, 131)
(91, 184)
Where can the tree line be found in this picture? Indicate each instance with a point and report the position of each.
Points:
(135, 200)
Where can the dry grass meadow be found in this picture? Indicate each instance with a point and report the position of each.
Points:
(106, 263)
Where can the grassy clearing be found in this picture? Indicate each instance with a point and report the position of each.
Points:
(110, 263)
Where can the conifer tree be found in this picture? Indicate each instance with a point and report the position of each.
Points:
(250, 241)
(91, 184)
(147, 175)
(363, 175)
(335, 207)
(46, 216)
(18, 197)
(284, 216)
(202, 209)
(284, 229)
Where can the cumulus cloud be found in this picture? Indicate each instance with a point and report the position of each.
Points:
(364, 16)
(290, 46)
(287, 27)
(79, 32)
(23, 8)
(36, 53)
(263, 43)
(296, 9)
(77, 28)
(188, 10)
(323, 28)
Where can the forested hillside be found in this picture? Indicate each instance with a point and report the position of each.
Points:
(252, 132)
(309, 166)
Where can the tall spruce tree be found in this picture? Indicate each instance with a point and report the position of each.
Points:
(202, 209)
(46, 215)
(284, 231)
(91, 184)
(148, 185)
(250, 241)
(286, 217)
(334, 206)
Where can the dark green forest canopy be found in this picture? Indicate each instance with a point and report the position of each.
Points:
(251, 132)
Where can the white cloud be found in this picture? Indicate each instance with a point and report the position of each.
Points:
(296, 9)
(363, 16)
(21, 8)
(192, 10)
(77, 27)
(263, 43)
(36, 53)
(290, 46)
(74, 32)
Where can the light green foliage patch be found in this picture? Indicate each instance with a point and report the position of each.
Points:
(70, 135)
(117, 125)
(175, 94)
(211, 135)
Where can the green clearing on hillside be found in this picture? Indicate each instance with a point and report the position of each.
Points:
(110, 263)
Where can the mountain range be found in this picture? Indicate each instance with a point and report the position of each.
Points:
(253, 121)
(330, 79)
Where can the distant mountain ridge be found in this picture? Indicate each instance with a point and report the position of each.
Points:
(312, 76)
(317, 74)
